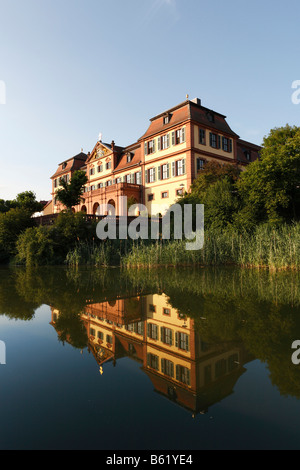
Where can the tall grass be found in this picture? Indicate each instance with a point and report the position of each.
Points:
(265, 247)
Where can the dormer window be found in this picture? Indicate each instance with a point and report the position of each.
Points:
(211, 117)
(64, 166)
(247, 155)
(167, 119)
(129, 157)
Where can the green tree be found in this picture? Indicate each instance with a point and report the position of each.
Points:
(270, 187)
(71, 193)
(27, 201)
(12, 224)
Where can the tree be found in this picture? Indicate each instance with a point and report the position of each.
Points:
(270, 187)
(71, 193)
(12, 224)
(27, 200)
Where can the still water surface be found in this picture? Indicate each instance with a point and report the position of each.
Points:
(169, 359)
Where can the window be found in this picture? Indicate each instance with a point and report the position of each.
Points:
(93, 188)
(167, 311)
(226, 144)
(165, 195)
(119, 180)
(180, 170)
(100, 168)
(149, 147)
(183, 375)
(152, 331)
(152, 175)
(64, 166)
(152, 308)
(213, 140)
(100, 185)
(165, 142)
(92, 332)
(182, 341)
(129, 157)
(150, 197)
(166, 336)
(167, 119)
(179, 192)
(167, 367)
(109, 339)
(92, 171)
(178, 137)
(202, 139)
(220, 368)
(211, 117)
(108, 166)
(55, 183)
(100, 335)
(153, 361)
(138, 178)
(128, 178)
(247, 155)
(166, 171)
(200, 164)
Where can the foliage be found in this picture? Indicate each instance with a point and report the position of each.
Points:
(12, 224)
(270, 187)
(71, 193)
(27, 201)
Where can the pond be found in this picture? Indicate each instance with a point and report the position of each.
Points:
(181, 359)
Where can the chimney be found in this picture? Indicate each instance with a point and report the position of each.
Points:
(113, 145)
(197, 101)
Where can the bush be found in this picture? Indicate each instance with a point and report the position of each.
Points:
(12, 224)
(36, 247)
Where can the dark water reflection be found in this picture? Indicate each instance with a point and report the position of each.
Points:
(168, 359)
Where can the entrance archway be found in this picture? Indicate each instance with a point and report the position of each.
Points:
(83, 209)
(112, 203)
(96, 208)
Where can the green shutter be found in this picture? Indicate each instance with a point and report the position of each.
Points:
(168, 140)
(159, 143)
(146, 176)
(159, 173)
(173, 169)
(173, 138)
(163, 366)
(230, 145)
(178, 373)
(183, 135)
(146, 148)
(176, 339)
(183, 166)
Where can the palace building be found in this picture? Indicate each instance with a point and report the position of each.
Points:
(161, 165)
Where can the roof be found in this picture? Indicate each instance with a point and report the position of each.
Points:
(72, 164)
(135, 160)
(189, 111)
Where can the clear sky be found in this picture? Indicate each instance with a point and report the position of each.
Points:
(75, 68)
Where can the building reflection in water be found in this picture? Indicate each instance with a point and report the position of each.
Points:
(181, 367)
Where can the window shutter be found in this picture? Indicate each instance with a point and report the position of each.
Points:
(187, 343)
(210, 139)
(159, 143)
(124, 179)
(223, 143)
(168, 170)
(132, 178)
(219, 142)
(173, 169)
(154, 175)
(163, 366)
(159, 173)
(162, 336)
(173, 138)
(149, 360)
(172, 369)
(178, 372)
(154, 145)
(146, 148)
(176, 339)
(155, 332)
(183, 167)
(183, 135)
(156, 363)
(230, 145)
(168, 140)
(146, 176)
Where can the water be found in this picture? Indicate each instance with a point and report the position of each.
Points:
(169, 359)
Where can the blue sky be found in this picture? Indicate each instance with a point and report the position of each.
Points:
(75, 68)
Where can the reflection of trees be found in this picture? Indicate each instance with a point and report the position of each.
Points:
(259, 308)
(70, 328)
